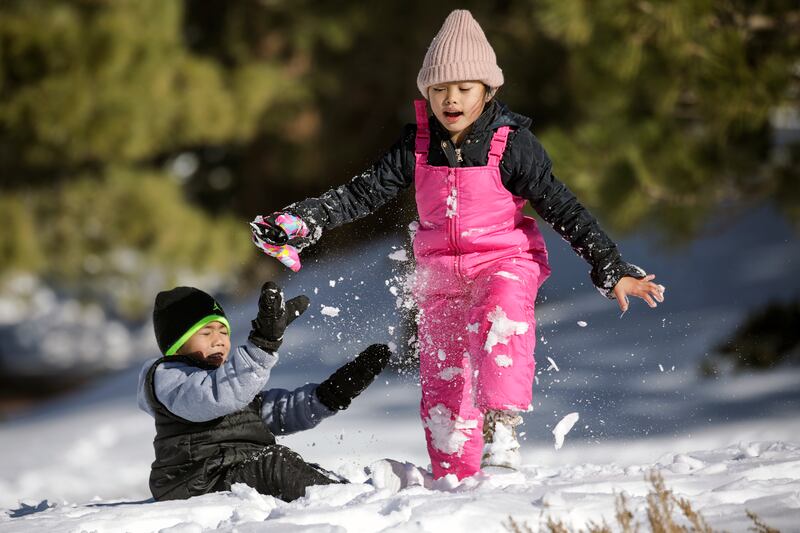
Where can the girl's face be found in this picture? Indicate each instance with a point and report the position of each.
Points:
(457, 105)
(210, 344)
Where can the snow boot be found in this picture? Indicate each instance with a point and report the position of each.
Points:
(501, 448)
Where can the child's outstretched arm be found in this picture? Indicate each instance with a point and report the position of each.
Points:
(528, 173)
(199, 395)
(362, 195)
(287, 412)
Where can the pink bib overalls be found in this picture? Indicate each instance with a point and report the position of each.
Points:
(480, 263)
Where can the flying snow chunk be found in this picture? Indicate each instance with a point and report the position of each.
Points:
(399, 255)
(553, 365)
(582, 324)
(330, 311)
(563, 427)
(502, 328)
(332, 283)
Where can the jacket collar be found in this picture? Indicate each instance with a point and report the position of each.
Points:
(495, 115)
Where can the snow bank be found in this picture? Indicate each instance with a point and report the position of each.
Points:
(763, 477)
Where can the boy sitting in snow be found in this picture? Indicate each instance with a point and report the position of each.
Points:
(215, 422)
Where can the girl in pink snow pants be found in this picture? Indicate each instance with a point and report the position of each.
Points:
(480, 261)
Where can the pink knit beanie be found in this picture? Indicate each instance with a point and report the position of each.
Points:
(459, 52)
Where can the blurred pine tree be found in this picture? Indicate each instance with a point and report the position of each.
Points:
(654, 112)
(674, 104)
(105, 106)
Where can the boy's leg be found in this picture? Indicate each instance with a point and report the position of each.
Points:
(451, 421)
(280, 472)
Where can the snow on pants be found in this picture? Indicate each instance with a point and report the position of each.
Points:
(477, 339)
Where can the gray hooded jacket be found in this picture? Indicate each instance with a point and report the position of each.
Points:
(200, 395)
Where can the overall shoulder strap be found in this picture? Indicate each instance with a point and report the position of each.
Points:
(498, 146)
(423, 132)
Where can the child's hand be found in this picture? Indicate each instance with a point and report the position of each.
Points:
(273, 233)
(350, 380)
(642, 288)
(274, 315)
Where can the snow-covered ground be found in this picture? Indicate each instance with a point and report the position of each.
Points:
(728, 445)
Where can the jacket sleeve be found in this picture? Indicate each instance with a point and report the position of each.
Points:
(363, 194)
(528, 174)
(200, 395)
(285, 412)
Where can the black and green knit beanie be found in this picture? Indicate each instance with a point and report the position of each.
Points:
(178, 314)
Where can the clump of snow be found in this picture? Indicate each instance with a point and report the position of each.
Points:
(582, 324)
(553, 365)
(392, 476)
(504, 448)
(399, 255)
(450, 372)
(563, 427)
(441, 355)
(413, 227)
(502, 328)
(452, 203)
(473, 328)
(448, 433)
(329, 311)
(503, 361)
(332, 282)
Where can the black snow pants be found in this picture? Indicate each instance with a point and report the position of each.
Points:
(278, 471)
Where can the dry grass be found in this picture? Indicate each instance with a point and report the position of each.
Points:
(759, 526)
(661, 516)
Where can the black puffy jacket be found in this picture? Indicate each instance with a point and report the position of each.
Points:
(525, 171)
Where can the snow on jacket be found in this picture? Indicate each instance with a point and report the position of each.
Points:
(526, 172)
(200, 395)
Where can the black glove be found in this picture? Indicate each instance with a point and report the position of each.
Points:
(274, 316)
(350, 380)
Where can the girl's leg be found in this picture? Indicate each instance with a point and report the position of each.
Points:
(451, 421)
(280, 472)
(503, 336)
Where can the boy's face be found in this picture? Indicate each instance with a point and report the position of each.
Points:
(211, 344)
(457, 105)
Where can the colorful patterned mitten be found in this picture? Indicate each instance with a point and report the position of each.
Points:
(265, 235)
